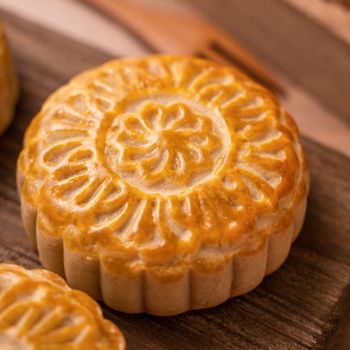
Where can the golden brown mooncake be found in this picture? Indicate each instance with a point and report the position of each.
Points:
(38, 311)
(8, 84)
(162, 184)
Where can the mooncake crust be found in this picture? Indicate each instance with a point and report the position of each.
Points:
(9, 89)
(39, 311)
(162, 184)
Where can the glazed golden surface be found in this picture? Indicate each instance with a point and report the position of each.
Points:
(8, 84)
(163, 162)
(38, 311)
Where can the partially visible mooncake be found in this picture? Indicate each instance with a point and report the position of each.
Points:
(8, 84)
(162, 184)
(38, 311)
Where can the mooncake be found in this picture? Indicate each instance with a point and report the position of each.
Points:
(162, 184)
(8, 84)
(38, 311)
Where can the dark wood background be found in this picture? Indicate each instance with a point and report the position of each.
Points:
(301, 306)
(288, 40)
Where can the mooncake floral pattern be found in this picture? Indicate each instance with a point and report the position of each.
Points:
(39, 311)
(95, 169)
(164, 144)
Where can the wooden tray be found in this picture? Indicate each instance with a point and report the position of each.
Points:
(299, 307)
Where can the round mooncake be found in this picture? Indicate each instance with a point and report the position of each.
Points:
(8, 84)
(162, 184)
(39, 311)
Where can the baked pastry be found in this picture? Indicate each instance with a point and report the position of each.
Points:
(8, 84)
(39, 311)
(162, 184)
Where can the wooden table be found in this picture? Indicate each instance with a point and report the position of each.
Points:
(305, 303)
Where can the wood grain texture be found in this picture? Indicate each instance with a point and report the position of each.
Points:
(328, 14)
(298, 307)
(285, 38)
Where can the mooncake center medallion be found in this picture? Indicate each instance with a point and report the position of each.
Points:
(166, 144)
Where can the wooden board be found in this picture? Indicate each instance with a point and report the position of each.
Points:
(298, 307)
